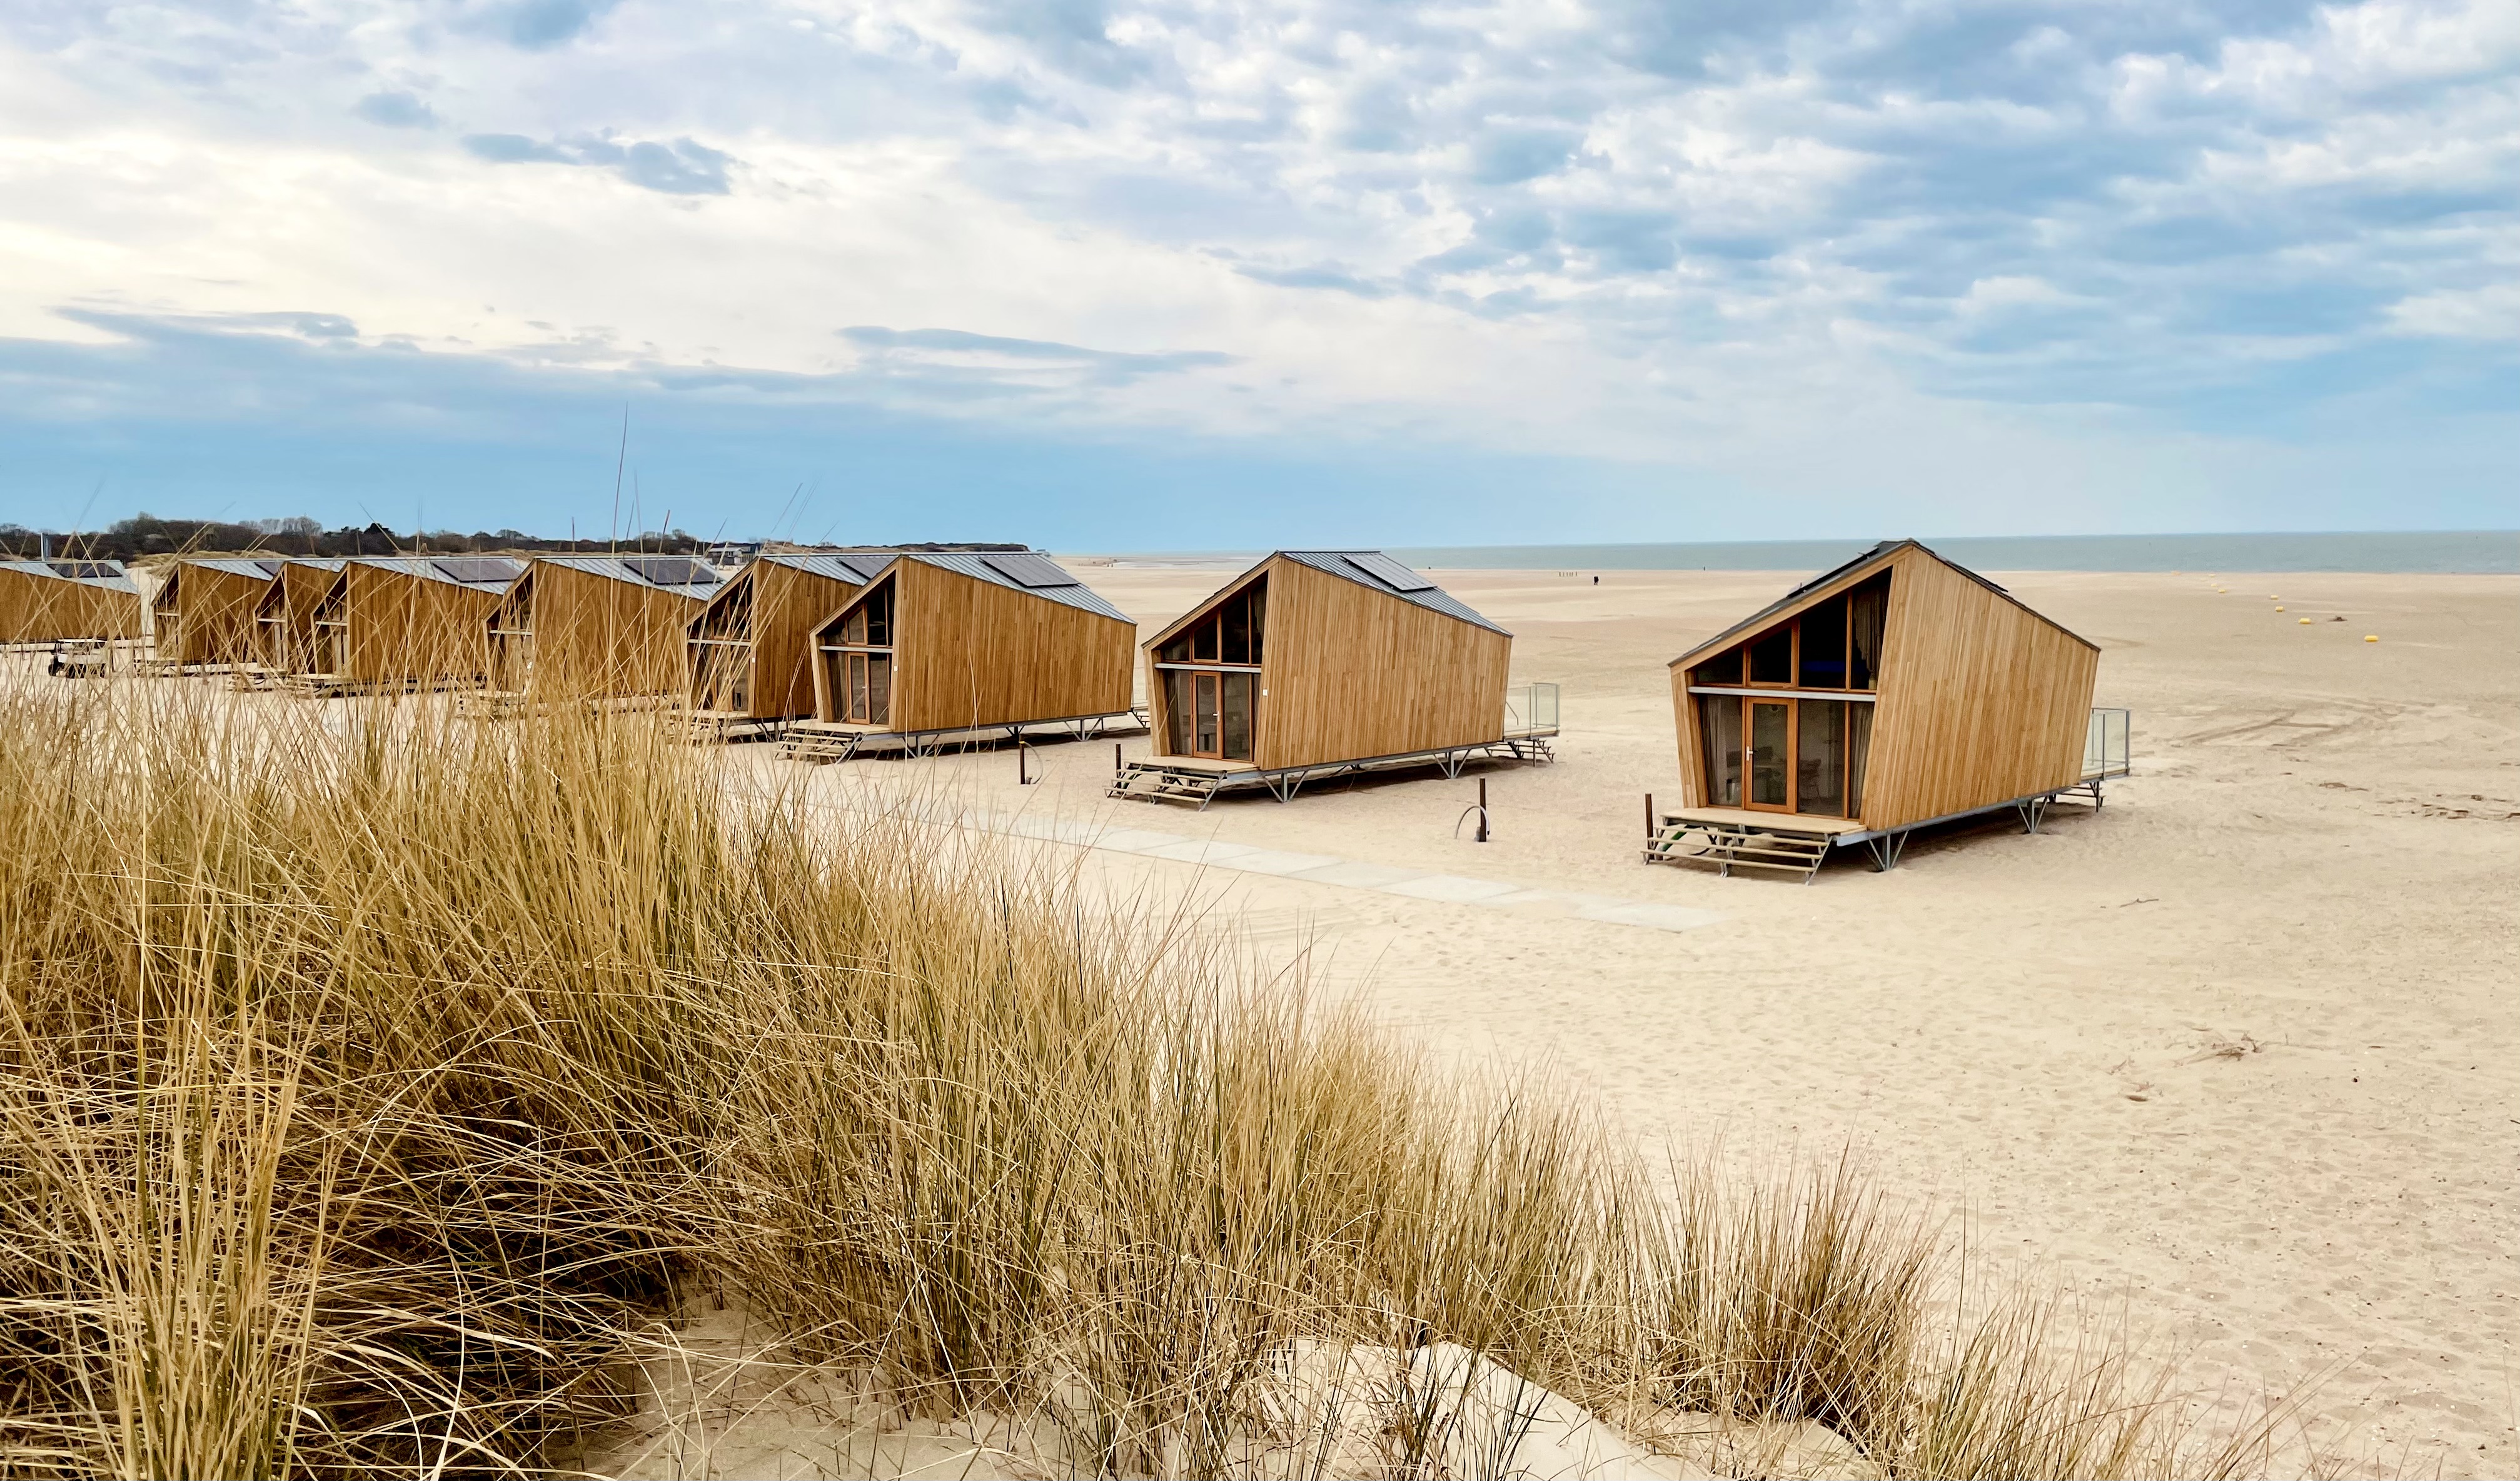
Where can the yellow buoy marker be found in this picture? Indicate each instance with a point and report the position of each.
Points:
(2278, 609)
(2371, 637)
(2304, 622)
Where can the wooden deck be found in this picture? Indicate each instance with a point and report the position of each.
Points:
(1752, 818)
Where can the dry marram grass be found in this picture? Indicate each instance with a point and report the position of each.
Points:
(372, 1078)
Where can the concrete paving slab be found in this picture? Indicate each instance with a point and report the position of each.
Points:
(1452, 890)
(1358, 874)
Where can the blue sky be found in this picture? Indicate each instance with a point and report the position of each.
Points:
(1184, 274)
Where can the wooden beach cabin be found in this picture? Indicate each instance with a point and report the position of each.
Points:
(1893, 692)
(940, 645)
(1317, 663)
(590, 626)
(285, 618)
(414, 621)
(203, 612)
(751, 645)
(68, 600)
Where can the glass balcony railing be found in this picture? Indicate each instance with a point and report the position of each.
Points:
(1531, 710)
(2105, 745)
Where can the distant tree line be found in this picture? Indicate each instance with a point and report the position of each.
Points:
(147, 535)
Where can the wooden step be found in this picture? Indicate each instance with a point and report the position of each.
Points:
(1731, 848)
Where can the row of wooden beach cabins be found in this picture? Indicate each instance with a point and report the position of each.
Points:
(1897, 692)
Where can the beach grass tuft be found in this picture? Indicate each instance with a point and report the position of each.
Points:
(372, 1076)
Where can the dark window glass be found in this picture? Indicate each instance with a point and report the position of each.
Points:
(1859, 747)
(1724, 668)
(1771, 736)
(1820, 757)
(1868, 607)
(1720, 726)
(1177, 713)
(1236, 618)
(1772, 657)
(1175, 651)
(853, 630)
(878, 615)
(1259, 595)
(1202, 642)
(1238, 717)
(880, 689)
(1824, 646)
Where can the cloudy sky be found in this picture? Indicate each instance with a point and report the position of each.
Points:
(1138, 274)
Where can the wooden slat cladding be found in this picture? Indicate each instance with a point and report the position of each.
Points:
(1693, 759)
(213, 615)
(286, 616)
(1981, 701)
(789, 605)
(970, 652)
(595, 635)
(40, 609)
(401, 627)
(1350, 672)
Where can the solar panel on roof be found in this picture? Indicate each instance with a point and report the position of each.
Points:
(862, 567)
(671, 570)
(85, 570)
(477, 570)
(270, 568)
(1389, 572)
(1027, 569)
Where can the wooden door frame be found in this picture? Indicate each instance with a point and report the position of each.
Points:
(1214, 680)
(1749, 753)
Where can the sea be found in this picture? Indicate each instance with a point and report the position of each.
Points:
(2463, 551)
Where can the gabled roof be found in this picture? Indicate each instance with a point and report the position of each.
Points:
(1378, 572)
(480, 574)
(1861, 566)
(1028, 572)
(686, 575)
(261, 570)
(856, 567)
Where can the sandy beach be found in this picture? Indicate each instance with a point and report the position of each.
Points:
(2237, 1051)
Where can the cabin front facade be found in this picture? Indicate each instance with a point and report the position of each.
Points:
(598, 625)
(938, 643)
(1325, 659)
(203, 612)
(752, 645)
(1895, 691)
(285, 618)
(53, 601)
(412, 620)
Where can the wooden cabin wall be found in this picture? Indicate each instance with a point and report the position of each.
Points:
(1352, 673)
(789, 606)
(967, 651)
(406, 627)
(49, 609)
(293, 598)
(594, 635)
(1693, 759)
(215, 618)
(1981, 701)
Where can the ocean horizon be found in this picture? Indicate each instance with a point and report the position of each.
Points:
(2391, 552)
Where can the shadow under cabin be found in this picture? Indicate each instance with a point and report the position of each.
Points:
(597, 627)
(750, 660)
(1897, 692)
(965, 648)
(393, 623)
(1321, 663)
